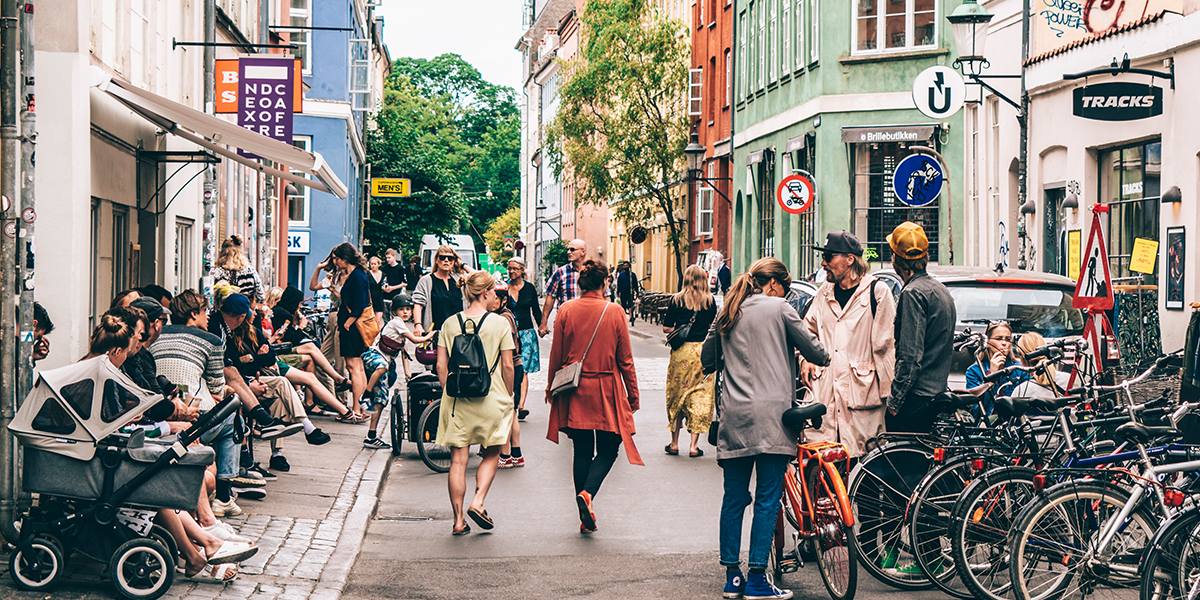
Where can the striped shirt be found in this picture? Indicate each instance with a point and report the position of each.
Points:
(186, 355)
(245, 280)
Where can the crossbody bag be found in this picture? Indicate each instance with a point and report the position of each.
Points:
(566, 379)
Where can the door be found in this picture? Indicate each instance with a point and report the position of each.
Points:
(1053, 254)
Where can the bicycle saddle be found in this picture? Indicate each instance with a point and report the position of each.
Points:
(1143, 434)
(797, 418)
(948, 402)
(1008, 406)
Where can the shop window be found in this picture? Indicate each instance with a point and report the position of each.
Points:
(877, 210)
(893, 25)
(1129, 183)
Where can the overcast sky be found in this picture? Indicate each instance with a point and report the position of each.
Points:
(484, 32)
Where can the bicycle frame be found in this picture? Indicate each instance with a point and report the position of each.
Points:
(800, 496)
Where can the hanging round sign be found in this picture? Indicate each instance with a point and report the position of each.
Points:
(918, 179)
(796, 193)
(939, 92)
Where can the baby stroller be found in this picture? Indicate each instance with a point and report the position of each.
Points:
(98, 489)
(415, 418)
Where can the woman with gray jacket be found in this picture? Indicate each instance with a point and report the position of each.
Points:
(438, 295)
(753, 344)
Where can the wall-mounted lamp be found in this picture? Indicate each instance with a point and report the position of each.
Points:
(1029, 208)
(1172, 196)
(1071, 201)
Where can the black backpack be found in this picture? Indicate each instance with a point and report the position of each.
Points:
(469, 375)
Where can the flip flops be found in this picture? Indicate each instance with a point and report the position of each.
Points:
(697, 454)
(351, 419)
(220, 574)
(464, 531)
(670, 451)
(481, 518)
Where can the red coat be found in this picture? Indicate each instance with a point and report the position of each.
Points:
(607, 394)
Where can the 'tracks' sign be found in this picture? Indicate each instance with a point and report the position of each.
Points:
(1118, 101)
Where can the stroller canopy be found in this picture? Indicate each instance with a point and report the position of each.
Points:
(71, 408)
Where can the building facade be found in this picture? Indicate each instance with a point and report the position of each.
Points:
(825, 87)
(711, 208)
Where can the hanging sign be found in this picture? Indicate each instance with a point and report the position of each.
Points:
(297, 242)
(266, 86)
(225, 96)
(1118, 101)
(1074, 258)
(917, 180)
(1094, 289)
(939, 92)
(387, 187)
(796, 193)
(1145, 255)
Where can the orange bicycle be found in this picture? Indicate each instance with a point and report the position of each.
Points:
(816, 520)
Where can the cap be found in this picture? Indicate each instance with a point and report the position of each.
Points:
(841, 242)
(402, 301)
(236, 304)
(909, 241)
(516, 259)
(153, 308)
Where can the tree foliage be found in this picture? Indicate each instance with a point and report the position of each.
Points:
(554, 256)
(507, 225)
(622, 125)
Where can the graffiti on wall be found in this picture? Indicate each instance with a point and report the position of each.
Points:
(1057, 23)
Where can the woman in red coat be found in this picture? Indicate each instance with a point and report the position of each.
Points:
(598, 415)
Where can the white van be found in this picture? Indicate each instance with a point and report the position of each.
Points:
(461, 244)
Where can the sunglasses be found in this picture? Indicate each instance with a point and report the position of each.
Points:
(574, 249)
(1002, 338)
(444, 257)
(828, 256)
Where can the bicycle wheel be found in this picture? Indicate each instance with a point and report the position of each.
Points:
(934, 501)
(979, 529)
(880, 487)
(1053, 542)
(836, 559)
(1172, 566)
(396, 423)
(435, 456)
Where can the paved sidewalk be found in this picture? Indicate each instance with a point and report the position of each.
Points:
(309, 529)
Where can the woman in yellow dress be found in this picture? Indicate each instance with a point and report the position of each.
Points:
(689, 391)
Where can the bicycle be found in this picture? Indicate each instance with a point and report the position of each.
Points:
(817, 509)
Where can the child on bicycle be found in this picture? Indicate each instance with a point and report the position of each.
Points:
(391, 347)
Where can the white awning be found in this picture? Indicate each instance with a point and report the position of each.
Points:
(224, 138)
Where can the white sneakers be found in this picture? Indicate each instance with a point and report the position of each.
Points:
(226, 533)
(225, 509)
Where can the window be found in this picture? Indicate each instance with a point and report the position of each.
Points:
(814, 37)
(184, 254)
(766, 205)
(298, 203)
(712, 11)
(1129, 184)
(300, 16)
(760, 80)
(108, 32)
(360, 75)
(877, 211)
(728, 77)
(704, 206)
(772, 40)
(94, 259)
(804, 159)
(787, 30)
(120, 249)
(700, 13)
(712, 89)
(891, 25)
(798, 17)
(138, 26)
(695, 92)
(741, 56)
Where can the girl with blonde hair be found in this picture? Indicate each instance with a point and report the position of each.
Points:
(1045, 384)
(233, 266)
(689, 391)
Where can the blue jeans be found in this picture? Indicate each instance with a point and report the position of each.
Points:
(767, 494)
(223, 441)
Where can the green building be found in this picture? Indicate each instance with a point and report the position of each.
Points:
(825, 86)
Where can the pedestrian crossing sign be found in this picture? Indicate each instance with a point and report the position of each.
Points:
(1094, 290)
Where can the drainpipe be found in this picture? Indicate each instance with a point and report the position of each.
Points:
(26, 250)
(266, 245)
(10, 146)
(209, 230)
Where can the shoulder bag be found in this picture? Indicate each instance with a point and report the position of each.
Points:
(566, 379)
(368, 325)
(718, 391)
(679, 335)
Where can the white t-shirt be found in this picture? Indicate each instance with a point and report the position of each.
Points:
(398, 329)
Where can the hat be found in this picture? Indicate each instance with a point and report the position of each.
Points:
(516, 259)
(153, 308)
(236, 304)
(402, 300)
(909, 241)
(841, 242)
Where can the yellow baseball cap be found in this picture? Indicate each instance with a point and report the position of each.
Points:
(909, 241)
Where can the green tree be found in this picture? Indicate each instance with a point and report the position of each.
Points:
(554, 256)
(621, 126)
(507, 225)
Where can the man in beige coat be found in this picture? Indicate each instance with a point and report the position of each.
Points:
(858, 330)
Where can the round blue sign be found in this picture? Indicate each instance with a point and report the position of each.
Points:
(918, 179)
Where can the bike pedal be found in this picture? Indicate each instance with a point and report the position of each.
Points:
(790, 565)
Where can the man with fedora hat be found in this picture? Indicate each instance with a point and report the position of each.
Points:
(855, 316)
(925, 319)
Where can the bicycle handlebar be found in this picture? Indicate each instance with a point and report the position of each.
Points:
(1158, 364)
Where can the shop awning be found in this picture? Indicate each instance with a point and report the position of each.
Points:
(225, 138)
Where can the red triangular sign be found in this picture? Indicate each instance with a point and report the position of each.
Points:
(1094, 288)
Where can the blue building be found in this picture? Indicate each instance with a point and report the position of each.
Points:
(342, 54)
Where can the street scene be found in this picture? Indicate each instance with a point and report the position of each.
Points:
(645, 299)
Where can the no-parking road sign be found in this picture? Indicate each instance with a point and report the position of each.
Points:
(796, 193)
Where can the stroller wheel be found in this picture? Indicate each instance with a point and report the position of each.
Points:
(40, 567)
(396, 423)
(141, 569)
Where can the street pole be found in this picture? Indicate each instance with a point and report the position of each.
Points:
(1023, 121)
(25, 239)
(209, 231)
(10, 147)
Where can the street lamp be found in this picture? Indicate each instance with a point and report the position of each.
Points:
(964, 21)
(695, 156)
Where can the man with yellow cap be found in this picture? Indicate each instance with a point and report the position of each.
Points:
(925, 319)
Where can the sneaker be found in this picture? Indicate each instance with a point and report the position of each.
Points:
(265, 474)
(316, 437)
(906, 569)
(250, 493)
(252, 475)
(375, 443)
(506, 462)
(245, 481)
(279, 463)
(279, 429)
(888, 559)
(735, 584)
(521, 414)
(225, 533)
(226, 509)
(341, 386)
(758, 588)
(587, 516)
(518, 461)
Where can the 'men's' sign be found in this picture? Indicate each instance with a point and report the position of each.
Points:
(265, 94)
(1118, 101)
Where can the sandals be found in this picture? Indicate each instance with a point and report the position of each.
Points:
(481, 518)
(221, 574)
(232, 552)
(670, 451)
(315, 411)
(352, 419)
(464, 531)
(697, 454)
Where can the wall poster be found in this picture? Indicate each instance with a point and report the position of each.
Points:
(1176, 267)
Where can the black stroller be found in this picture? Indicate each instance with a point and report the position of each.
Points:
(415, 418)
(97, 489)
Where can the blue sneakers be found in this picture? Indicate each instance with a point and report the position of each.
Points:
(758, 588)
(735, 583)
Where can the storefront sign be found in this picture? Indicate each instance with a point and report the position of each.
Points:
(917, 180)
(297, 242)
(1118, 101)
(265, 91)
(795, 193)
(226, 82)
(874, 135)
(939, 92)
(1145, 255)
(1074, 241)
(387, 187)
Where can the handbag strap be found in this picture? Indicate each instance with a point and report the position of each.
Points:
(594, 331)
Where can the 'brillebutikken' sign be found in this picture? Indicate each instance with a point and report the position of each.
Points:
(265, 94)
